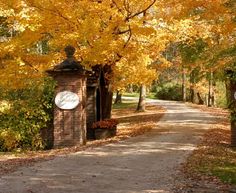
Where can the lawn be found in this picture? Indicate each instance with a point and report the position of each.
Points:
(150, 95)
(125, 105)
(214, 157)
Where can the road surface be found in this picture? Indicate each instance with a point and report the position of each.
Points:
(143, 164)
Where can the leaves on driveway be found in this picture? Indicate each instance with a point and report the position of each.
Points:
(132, 123)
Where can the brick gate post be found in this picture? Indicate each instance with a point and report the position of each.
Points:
(70, 102)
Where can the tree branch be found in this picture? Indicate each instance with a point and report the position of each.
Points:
(129, 38)
(54, 11)
(123, 32)
(127, 8)
(140, 12)
(119, 9)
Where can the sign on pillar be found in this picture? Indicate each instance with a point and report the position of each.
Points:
(67, 100)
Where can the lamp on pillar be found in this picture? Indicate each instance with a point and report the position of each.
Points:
(70, 99)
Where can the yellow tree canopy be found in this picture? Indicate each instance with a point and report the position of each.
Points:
(127, 34)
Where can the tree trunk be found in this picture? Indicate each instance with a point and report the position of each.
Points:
(142, 99)
(211, 91)
(227, 86)
(106, 100)
(105, 93)
(192, 93)
(184, 85)
(192, 89)
(130, 88)
(232, 106)
(233, 131)
(200, 101)
(118, 99)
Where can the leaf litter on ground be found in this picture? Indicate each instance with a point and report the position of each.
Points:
(212, 166)
(131, 124)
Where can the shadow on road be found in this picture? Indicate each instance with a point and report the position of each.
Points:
(144, 164)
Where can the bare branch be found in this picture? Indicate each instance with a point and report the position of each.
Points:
(30, 65)
(129, 38)
(127, 8)
(118, 57)
(141, 12)
(123, 32)
(119, 9)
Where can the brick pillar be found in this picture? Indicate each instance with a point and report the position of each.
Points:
(70, 125)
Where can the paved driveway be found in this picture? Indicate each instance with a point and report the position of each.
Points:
(144, 164)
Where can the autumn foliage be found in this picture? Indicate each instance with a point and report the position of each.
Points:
(130, 37)
(125, 34)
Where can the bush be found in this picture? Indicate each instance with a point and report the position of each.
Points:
(29, 111)
(9, 140)
(221, 100)
(169, 92)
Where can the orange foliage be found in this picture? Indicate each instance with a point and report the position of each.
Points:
(130, 34)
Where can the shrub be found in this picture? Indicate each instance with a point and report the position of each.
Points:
(9, 139)
(28, 114)
(221, 100)
(169, 92)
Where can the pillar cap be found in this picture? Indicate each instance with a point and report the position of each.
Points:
(69, 64)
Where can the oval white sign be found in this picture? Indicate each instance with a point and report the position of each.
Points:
(67, 100)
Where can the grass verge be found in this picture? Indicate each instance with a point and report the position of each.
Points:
(214, 156)
(214, 159)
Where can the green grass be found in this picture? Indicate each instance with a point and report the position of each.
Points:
(125, 105)
(220, 161)
(131, 104)
(219, 167)
(150, 95)
(215, 157)
(134, 94)
(227, 173)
